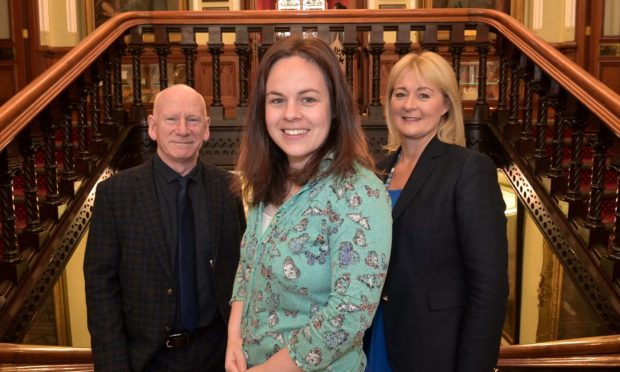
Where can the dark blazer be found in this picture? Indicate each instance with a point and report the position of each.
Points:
(130, 284)
(447, 282)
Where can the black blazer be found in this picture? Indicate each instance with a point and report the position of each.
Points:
(447, 282)
(130, 284)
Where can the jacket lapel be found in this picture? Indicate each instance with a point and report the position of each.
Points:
(422, 171)
(146, 197)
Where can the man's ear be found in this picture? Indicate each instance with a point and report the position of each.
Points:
(152, 132)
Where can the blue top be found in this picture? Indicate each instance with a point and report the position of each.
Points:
(377, 350)
(313, 279)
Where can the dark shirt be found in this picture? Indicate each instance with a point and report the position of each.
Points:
(167, 187)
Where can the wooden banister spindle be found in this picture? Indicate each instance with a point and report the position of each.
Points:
(578, 124)
(96, 137)
(108, 128)
(12, 266)
(27, 148)
(162, 48)
(242, 48)
(501, 110)
(50, 208)
(189, 48)
(526, 138)
(135, 48)
(556, 173)
(402, 45)
(68, 175)
(430, 40)
(602, 143)
(613, 248)
(324, 33)
(515, 81)
(349, 48)
(376, 47)
(119, 112)
(481, 109)
(216, 47)
(540, 148)
(267, 40)
(83, 154)
(457, 43)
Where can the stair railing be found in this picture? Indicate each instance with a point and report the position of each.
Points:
(551, 127)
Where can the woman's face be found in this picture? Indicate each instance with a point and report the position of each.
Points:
(417, 107)
(297, 109)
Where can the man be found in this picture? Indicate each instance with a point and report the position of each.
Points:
(148, 309)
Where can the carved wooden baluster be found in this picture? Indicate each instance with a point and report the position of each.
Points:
(189, 48)
(376, 47)
(109, 127)
(68, 175)
(558, 101)
(613, 248)
(12, 265)
(540, 148)
(526, 139)
(119, 113)
(457, 43)
(267, 40)
(515, 81)
(602, 143)
(349, 48)
(216, 47)
(501, 112)
(402, 45)
(578, 124)
(324, 33)
(162, 48)
(83, 154)
(50, 208)
(96, 138)
(481, 109)
(32, 235)
(430, 40)
(242, 48)
(136, 49)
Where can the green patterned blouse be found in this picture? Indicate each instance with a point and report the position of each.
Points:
(312, 280)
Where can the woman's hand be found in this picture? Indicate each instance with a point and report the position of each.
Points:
(235, 360)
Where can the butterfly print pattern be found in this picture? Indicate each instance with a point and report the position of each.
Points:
(311, 281)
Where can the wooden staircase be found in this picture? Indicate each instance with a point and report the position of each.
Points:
(551, 128)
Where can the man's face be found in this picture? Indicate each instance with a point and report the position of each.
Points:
(179, 125)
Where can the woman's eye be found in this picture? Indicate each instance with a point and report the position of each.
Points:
(399, 95)
(275, 101)
(308, 100)
(424, 96)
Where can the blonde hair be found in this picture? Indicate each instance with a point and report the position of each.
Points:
(434, 69)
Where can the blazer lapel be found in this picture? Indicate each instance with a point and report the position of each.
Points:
(422, 171)
(146, 197)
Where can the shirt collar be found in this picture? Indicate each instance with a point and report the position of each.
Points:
(170, 174)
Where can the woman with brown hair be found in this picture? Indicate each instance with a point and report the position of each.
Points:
(316, 249)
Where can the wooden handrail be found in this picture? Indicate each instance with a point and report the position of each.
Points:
(43, 354)
(572, 347)
(588, 352)
(26, 104)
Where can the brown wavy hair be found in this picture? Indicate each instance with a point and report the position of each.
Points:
(262, 165)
